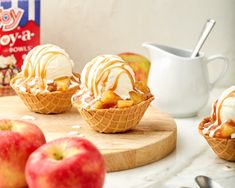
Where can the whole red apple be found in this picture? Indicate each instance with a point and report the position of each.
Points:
(139, 64)
(18, 139)
(70, 162)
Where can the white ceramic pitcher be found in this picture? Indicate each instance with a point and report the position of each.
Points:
(179, 83)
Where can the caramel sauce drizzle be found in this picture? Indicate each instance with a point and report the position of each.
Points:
(213, 115)
(103, 68)
(116, 81)
(128, 74)
(215, 125)
(216, 113)
(31, 66)
(87, 73)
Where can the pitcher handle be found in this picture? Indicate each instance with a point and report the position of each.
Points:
(224, 70)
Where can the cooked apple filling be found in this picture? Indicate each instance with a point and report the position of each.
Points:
(33, 85)
(111, 100)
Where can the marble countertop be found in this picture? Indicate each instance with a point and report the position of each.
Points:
(192, 157)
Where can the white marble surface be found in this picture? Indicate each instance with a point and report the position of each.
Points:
(192, 157)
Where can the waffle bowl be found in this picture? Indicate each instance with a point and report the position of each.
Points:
(224, 148)
(47, 103)
(6, 91)
(115, 120)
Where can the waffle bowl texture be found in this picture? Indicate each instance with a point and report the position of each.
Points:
(47, 103)
(115, 120)
(224, 148)
(6, 91)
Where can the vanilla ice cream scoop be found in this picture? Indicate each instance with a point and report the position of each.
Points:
(223, 115)
(224, 108)
(46, 68)
(47, 62)
(108, 72)
(228, 109)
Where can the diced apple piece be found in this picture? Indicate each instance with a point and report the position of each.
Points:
(125, 103)
(62, 83)
(136, 97)
(51, 87)
(98, 105)
(142, 87)
(110, 99)
(227, 130)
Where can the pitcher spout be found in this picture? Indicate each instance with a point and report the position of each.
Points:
(158, 49)
(149, 46)
(155, 49)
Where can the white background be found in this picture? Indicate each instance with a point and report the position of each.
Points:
(87, 28)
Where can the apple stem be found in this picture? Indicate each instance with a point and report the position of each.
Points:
(6, 126)
(58, 156)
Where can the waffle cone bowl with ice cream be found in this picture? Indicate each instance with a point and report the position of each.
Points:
(115, 119)
(219, 128)
(48, 103)
(46, 82)
(6, 91)
(8, 70)
(110, 100)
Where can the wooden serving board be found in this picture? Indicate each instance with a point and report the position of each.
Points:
(153, 139)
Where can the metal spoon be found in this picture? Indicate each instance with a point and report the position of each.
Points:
(206, 182)
(204, 34)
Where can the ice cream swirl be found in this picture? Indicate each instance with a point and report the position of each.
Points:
(108, 72)
(223, 113)
(41, 61)
(42, 65)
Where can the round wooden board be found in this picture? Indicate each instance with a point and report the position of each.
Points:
(153, 139)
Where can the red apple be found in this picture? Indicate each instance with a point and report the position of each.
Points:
(18, 139)
(139, 64)
(66, 163)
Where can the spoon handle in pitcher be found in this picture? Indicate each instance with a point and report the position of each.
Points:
(204, 34)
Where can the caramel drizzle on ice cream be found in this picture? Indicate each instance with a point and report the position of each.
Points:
(35, 65)
(216, 112)
(102, 66)
(36, 62)
(217, 123)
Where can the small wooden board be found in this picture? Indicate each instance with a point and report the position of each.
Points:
(153, 139)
